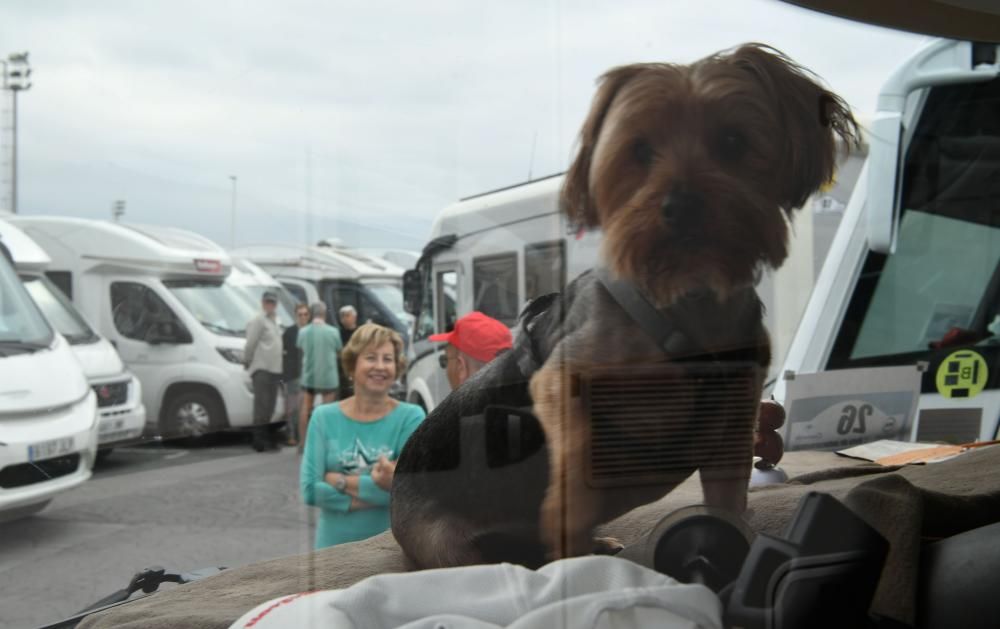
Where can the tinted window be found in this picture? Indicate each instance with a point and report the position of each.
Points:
(63, 281)
(494, 285)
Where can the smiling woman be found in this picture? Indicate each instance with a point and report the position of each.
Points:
(351, 446)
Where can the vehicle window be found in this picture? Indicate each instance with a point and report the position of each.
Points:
(544, 268)
(425, 319)
(941, 288)
(20, 319)
(446, 294)
(217, 306)
(58, 310)
(494, 286)
(297, 291)
(391, 295)
(136, 310)
(63, 280)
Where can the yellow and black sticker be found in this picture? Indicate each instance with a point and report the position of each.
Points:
(962, 374)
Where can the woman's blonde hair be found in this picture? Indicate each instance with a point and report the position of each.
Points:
(367, 335)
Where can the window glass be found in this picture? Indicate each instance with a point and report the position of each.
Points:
(137, 310)
(941, 287)
(544, 268)
(425, 319)
(297, 292)
(20, 319)
(494, 285)
(63, 280)
(446, 295)
(218, 307)
(58, 310)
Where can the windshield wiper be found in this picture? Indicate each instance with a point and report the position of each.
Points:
(8, 347)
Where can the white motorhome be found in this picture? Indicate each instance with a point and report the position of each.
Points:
(159, 294)
(496, 251)
(913, 275)
(119, 394)
(48, 411)
(336, 276)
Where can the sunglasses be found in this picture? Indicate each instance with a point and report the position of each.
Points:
(443, 360)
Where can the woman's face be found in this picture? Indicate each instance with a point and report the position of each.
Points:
(375, 370)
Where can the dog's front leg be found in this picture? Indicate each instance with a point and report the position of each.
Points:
(570, 509)
(726, 479)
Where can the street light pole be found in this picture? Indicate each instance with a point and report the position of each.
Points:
(15, 79)
(232, 216)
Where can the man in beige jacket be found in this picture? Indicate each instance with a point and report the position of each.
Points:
(262, 358)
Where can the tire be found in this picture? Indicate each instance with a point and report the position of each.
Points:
(191, 414)
(103, 454)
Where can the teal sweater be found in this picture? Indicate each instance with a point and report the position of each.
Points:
(337, 443)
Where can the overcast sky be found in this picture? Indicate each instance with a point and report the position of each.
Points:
(359, 120)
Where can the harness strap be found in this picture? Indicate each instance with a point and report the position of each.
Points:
(669, 332)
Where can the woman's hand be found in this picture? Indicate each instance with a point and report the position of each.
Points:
(333, 478)
(383, 471)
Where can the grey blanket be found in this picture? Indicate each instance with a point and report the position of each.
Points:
(907, 505)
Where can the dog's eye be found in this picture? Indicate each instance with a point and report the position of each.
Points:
(642, 152)
(731, 145)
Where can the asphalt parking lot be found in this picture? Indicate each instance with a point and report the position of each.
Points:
(182, 508)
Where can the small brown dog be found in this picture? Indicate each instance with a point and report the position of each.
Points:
(692, 173)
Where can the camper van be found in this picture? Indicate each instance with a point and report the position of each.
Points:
(496, 251)
(913, 274)
(119, 396)
(336, 276)
(48, 411)
(159, 294)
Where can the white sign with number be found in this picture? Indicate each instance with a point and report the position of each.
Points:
(833, 410)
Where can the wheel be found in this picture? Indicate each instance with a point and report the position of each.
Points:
(18, 513)
(191, 414)
(103, 454)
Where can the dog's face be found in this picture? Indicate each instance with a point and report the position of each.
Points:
(692, 171)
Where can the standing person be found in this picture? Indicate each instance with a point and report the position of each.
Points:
(320, 344)
(348, 324)
(262, 358)
(351, 446)
(475, 340)
(291, 367)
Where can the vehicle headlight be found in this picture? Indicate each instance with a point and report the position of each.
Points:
(232, 355)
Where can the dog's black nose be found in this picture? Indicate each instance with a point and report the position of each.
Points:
(680, 204)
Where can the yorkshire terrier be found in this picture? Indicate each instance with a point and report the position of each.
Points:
(692, 172)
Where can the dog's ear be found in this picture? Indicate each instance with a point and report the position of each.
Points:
(812, 119)
(575, 200)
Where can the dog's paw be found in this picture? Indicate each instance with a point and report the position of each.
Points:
(607, 546)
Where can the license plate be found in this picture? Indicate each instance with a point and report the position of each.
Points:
(50, 449)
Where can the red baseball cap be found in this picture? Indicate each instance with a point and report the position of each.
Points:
(478, 335)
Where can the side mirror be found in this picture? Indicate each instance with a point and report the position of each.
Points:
(941, 62)
(412, 291)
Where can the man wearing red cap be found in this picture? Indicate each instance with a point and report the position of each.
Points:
(475, 341)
